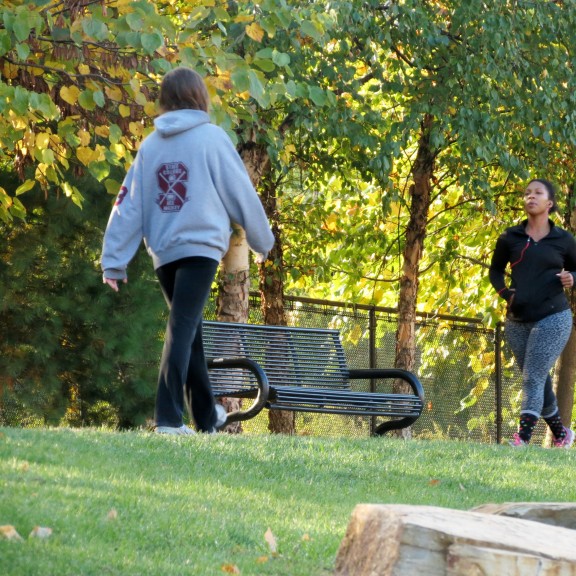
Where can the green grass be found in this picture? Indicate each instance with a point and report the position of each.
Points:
(201, 505)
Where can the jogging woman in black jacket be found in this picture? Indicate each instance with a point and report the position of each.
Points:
(542, 259)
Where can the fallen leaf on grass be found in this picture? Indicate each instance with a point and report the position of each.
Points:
(306, 538)
(271, 540)
(434, 482)
(10, 533)
(262, 559)
(230, 569)
(40, 532)
(113, 514)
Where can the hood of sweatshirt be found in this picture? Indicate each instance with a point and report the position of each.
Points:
(177, 121)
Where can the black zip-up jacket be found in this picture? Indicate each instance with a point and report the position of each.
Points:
(534, 266)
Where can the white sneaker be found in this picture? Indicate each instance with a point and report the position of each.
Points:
(221, 416)
(181, 431)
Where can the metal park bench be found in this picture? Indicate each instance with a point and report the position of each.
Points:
(300, 370)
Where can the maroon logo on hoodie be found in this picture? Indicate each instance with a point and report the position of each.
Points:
(121, 195)
(172, 178)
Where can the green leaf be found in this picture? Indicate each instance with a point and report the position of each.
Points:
(99, 170)
(112, 186)
(317, 95)
(17, 209)
(310, 30)
(265, 65)
(257, 87)
(99, 98)
(95, 29)
(115, 134)
(47, 156)
(135, 21)
(23, 51)
(5, 42)
(86, 100)
(280, 58)
(151, 42)
(240, 79)
(21, 27)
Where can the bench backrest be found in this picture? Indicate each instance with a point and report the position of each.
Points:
(289, 356)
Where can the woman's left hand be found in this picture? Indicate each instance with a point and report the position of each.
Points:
(566, 278)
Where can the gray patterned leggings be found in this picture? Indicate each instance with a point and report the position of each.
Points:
(536, 347)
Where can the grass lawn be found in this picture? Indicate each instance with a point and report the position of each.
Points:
(135, 503)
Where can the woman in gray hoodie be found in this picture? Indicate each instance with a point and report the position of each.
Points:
(186, 187)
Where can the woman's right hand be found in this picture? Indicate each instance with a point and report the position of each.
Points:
(113, 283)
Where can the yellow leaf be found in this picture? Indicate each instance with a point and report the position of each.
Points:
(124, 110)
(271, 541)
(114, 93)
(85, 155)
(84, 69)
(10, 71)
(150, 108)
(84, 137)
(69, 94)
(262, 559)
(355, 334)
(255, 31)
(136, 128)
(42, 140)
(103, 131)
(331, 222)
(9, 532)
(244, 18)
(230, 569)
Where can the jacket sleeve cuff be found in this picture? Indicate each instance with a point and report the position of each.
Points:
(114, 274)
(505, 293)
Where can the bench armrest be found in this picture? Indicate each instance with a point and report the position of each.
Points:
(408, 377)
(261, 379)
(396, 373)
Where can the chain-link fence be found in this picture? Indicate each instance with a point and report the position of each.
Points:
(471, 384)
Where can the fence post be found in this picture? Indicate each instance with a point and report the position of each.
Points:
(372, 357)
(498, 391)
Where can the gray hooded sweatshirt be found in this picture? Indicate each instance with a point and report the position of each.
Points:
(186, 186)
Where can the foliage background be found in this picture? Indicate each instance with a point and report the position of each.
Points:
(340, 98)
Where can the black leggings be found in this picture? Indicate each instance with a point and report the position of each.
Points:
(183, 375)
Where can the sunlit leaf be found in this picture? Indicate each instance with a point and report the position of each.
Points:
(255, 32)
(70, 94)
(25, 187)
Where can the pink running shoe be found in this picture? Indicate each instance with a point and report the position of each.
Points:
(517, 442)
(565, 442)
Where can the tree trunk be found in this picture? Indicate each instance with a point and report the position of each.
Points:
(272, 293)
(233, 294)
(416, 232)
(234, 279)
(567, 362)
